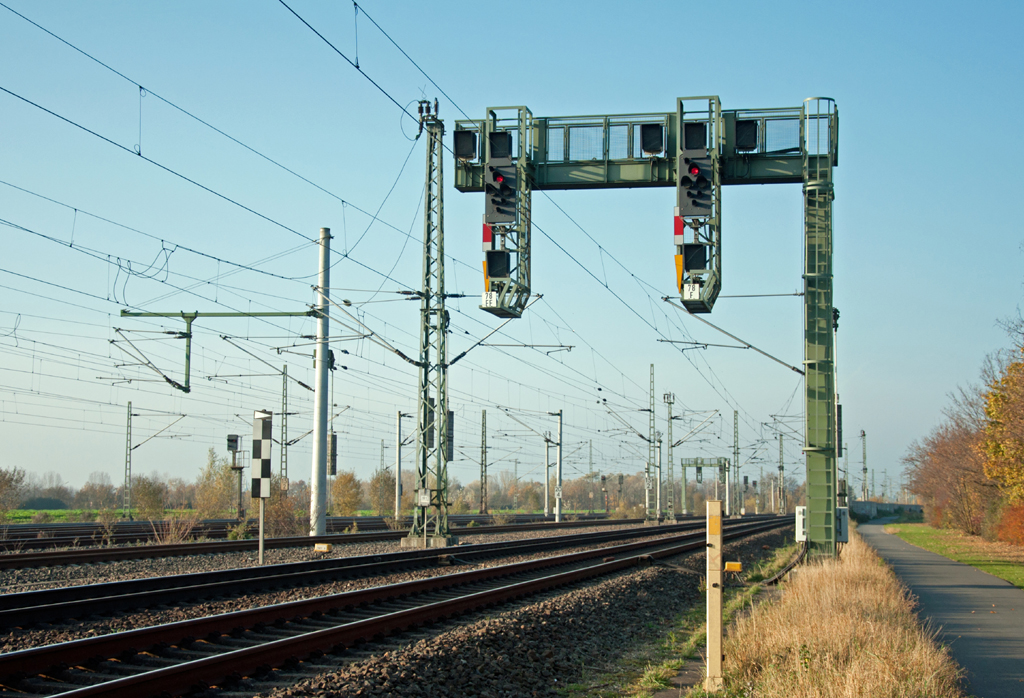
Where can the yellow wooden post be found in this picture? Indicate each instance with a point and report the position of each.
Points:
(713, 682)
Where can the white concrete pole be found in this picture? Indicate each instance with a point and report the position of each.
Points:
(558, 472)
(398, 467)
(547, 479)
(318, 478)
(657, 448)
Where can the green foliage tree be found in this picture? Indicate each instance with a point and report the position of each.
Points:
(12, 480)
(284, 511)
(347, 493)
(216, 493)
(148, 497)
(382, 492)
(1002, 442)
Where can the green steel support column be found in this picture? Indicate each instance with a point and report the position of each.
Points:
(819, 438)
(483, 461)
(650, 515)
(430, 520)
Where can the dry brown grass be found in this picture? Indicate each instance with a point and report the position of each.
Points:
(841, 629)
(174, 530)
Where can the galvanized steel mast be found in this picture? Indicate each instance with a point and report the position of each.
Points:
(430, 520)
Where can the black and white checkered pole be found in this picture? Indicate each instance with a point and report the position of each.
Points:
(262, 432)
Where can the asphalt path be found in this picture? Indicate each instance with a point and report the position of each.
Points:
(979, 616)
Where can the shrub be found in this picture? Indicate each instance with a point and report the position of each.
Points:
(281, 516)
(1011, 525)
(239, 531)
(177, 529)
(107, 519)
(502, 518)
(12, 481)
(50, 503)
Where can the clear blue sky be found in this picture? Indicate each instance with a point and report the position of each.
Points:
(928, 251)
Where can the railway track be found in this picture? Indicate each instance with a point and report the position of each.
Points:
(21, 537)
(223, 650)
(30, 607)
(81, 556)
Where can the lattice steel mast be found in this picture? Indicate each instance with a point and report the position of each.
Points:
(483, 461)
(670, 398)
(430, 518)
(652, 439)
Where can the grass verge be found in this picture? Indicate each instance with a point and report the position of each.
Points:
(840, 628)
(655, 666)
(1000, 559)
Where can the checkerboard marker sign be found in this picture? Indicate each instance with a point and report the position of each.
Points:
(262, 429)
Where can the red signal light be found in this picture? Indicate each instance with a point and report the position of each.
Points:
(499, 178)
(694, 170)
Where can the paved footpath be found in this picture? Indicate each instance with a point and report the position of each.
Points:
(979, 616)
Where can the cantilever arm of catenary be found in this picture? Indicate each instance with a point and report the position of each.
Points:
(509, 413)
(627, 424)
(727, 334)
(373, 336)
(492, 332)
(690, 433)
(153, 436)
(139, 356)
(225, 338)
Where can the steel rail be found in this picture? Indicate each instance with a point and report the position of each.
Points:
(27, 608)
(18, 537)
(81, 556)
(178, 679)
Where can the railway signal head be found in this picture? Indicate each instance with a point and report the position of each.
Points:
(695, 178)
(500, 185)
(694, 186)
(700, 474)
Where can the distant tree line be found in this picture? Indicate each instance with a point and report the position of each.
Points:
(214, 495)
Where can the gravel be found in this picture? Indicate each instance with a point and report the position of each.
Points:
(531, 648)
(13, 639)
(30, 579)
(536, 648)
